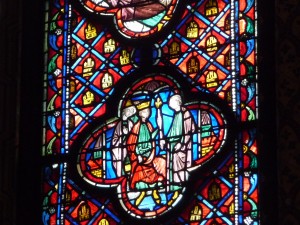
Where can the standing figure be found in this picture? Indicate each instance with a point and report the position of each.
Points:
(124, 126)
(147, 170)
(179, 143)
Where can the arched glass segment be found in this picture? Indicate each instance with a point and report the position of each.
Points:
(134, 18)
(156, 130)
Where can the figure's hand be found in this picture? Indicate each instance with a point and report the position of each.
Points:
(140, 158)
(177, 147)
(159, 122)
(125, 130)
(162, 144)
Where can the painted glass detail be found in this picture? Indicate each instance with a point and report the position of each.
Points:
(138, 133)
(149, 150)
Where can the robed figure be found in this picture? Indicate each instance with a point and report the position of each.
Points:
(179, 143)
(148, 171)
(123, 127)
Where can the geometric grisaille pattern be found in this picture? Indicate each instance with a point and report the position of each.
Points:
(149, 112)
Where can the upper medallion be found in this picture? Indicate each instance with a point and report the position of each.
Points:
(135, 18)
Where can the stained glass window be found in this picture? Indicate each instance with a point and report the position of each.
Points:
(150, 111)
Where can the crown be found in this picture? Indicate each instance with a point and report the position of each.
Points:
(143, 105)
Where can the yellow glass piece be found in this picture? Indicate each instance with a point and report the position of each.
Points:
(88, 98)
(196, 213)
(206, 150)
(231, 209)
(107, 81)
(72, 86)
(156, 196)
(158, 103)
(192, 30)
(174, 49)
(73, 52)
(84, 212)
(211, 8)
(214, 192)
(124, 58)
(211, 79)
(231, 171)
(97, 172)
(109, 46)
(88, 67)
(103, 222)
(127, 168)
(143, 105)
(193, 65)
(140, 198)
(211, 43)
(90, 31)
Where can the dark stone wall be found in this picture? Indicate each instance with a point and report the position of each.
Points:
(20, 95)
(288, 109)
(10, 51)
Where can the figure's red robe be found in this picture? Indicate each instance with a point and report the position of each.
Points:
(151, 169)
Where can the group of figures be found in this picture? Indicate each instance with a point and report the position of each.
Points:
(150, 149)
(135, 155)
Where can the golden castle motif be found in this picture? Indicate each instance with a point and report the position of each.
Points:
(214, 192)
(72, 86)
(192, 30)
(88, 98)
(196, 213)
(124, 58)
(227, 23)
(211, 79)
(109, 46)
(88, 67)
(84, 212)
(193, 65)
(90, 31)
(212, 44)
(107, 81)
(73, 52)
(174, 50)
(211, 8)
(227, 59)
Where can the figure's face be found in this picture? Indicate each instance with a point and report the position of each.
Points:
(144, 114)
(127, 112)
(174, 104)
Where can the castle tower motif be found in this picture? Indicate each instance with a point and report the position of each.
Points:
(88, 98)
(88, 67)
(193, 65)
(124, 58)
(212, 44)
(107, 81)
(109, 46)
(214, 192)
(211, 79)
(196, 214)
(174, 50)
(84, 211)
(90, 31)
(192, 30)
(211, 8)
